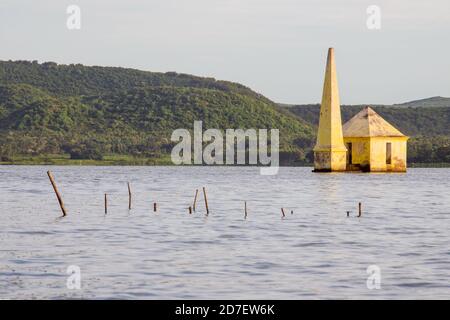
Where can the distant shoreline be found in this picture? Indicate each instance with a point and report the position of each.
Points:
(127, 160)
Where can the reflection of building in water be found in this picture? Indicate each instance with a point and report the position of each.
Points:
(366, 142)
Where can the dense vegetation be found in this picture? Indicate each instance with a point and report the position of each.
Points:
(89, 112)
(427, 124)
(116, 114)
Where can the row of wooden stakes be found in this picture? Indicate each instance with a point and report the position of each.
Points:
(191, 208)
(155, 205)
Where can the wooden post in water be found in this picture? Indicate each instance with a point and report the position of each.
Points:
(282, 212)
(106, 204)
(154, 206)
(195, 199)
(348, 213)
(245, 209)
(190, 210)
(58, 196)
(206, 200)
(360, 209)
(129, 196)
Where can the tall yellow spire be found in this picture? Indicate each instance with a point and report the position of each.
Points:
(330, 151)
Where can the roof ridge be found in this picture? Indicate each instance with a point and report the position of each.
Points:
(369, 114)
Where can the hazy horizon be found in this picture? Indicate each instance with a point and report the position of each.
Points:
(277, 48)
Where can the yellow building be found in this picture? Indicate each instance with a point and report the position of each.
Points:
(373, 144)
(367, 142)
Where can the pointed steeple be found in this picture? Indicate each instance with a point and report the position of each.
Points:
(330, 149)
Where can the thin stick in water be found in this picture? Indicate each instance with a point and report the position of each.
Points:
(245, 209)
(190, 210)
(195, 199)
(360, 209)
(129, 196)
(106, 204)
(58, 195)
(282, 212)
(154, 206)
(206, 200)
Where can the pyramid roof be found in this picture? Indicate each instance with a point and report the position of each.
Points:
(368, 123)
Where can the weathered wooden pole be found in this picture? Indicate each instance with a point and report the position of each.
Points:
(129, 196)
(58, 196)
(106, 204)
(195, 199)
(348, 213)
(190, 210)
(282, 212)
(154, 207)
(206, 200)
(360, 209)
(245, 209)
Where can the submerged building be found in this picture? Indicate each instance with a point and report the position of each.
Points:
(373, 144)
(366, 142)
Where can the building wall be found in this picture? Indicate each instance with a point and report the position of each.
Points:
(327, 161)
(369, 154)
(378, 154)
(338, 162)
(360, 153)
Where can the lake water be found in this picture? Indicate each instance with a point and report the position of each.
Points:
(316, 252)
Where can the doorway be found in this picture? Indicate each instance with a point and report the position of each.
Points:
(349, 153)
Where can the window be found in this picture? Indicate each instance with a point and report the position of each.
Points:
(388, 153)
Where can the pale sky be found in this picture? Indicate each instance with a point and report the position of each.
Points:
(276, 47)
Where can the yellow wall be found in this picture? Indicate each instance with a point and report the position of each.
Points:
(360, 150)
(329, 161)
(378, 154)
(370, 153)
(329, 151)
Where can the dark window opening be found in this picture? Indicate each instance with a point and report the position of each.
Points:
(388, 153)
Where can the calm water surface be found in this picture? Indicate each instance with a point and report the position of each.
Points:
(316, 252)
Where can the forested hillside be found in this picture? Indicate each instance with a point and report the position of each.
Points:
(79, 112)
(90, 112)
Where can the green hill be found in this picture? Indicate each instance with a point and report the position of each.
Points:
(432, 102)
(51, 113)
(77, 79)
(96, 112)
